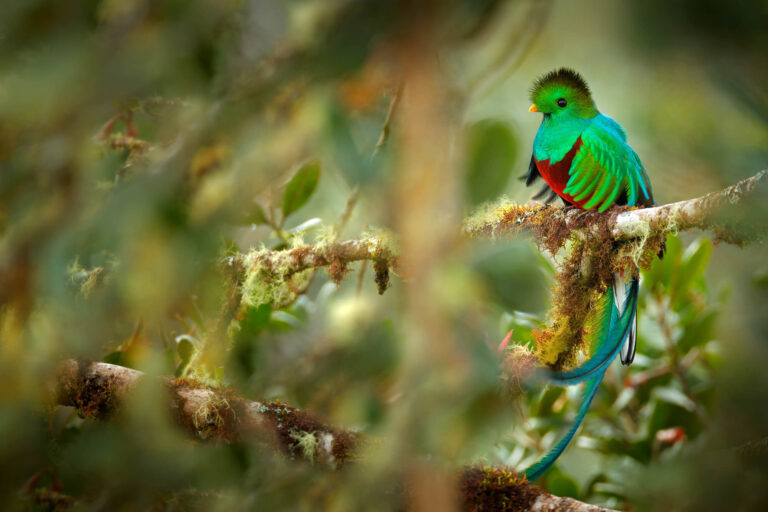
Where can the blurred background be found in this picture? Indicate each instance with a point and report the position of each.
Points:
(141, 142)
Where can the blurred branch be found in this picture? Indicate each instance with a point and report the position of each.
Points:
(99, 390)
(386, 128)
(341, 222)
(706, 213)
(278, 265)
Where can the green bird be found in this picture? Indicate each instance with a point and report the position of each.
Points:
(583, 158)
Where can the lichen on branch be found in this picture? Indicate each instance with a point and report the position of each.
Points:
(276, 276)
(720, 212)
(98, 390)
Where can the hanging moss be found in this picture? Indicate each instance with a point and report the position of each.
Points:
(591, 257)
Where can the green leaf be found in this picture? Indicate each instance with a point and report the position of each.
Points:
(254, 320)
(257, 216)
(561, 484)
(300, 188)
(115, 357)
(282, 321)
(185, 348)
(675, 397)
(547, 400)
(699, 331)
(306, 226)
(491, 153)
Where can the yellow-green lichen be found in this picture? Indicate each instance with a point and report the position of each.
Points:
(210, 417)
(380, 243)
(486, 216)
(308, 443)
(270, 280)
(86, 279)
(325, 238)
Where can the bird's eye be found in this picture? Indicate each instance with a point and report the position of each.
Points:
(561, 103)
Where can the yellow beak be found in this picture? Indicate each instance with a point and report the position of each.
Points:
(534, 108)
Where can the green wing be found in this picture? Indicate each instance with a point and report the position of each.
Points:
(606, 166)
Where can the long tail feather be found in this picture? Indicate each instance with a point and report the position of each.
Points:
(543, 464)
(621, 290)
(621, 326)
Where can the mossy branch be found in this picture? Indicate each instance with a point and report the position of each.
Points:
(98, 390)
(601, 244)
(721, 213)
(274, 276)
(270, 275)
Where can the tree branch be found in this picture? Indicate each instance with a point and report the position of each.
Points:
(706, 213)
(98, 390)
(268, 276)
(272, 269)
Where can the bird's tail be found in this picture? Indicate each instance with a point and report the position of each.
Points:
(616, 328)
(544, 463)
(623, 286)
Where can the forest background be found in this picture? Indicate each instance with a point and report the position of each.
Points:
(153, 153)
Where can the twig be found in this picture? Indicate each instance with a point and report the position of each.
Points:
(347, 213)
(313, 256)
(387, 126)
(360, 276)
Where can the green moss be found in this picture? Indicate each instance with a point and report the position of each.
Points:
(326, 236)
(487, 489)
(488, 214)
(266, 282)
(590, 258)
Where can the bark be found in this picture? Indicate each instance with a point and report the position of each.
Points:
(98, 390)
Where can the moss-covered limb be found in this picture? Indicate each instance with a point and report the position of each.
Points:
(274, 276)
(97, 390)
(374, 248)
(497, 489)
(214, 414)
(710, 212)
(551, 226)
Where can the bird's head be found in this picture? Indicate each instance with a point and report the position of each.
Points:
(562, 94)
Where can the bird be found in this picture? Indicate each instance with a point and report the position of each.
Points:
(583, 158)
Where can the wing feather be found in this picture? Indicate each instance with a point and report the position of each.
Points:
(606, 165)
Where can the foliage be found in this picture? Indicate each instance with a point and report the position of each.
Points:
(644, 412)
(151, 151)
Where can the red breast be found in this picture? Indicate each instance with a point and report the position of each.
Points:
(556, 175)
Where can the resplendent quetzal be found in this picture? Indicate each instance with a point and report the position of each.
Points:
(584, 158)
